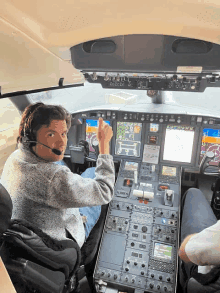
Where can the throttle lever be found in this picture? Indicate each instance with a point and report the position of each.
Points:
(205, 161)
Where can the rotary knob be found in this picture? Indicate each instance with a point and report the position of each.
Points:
(151, 286)
(168, 279)
(152, 275)
(135, 263)
(142, 273)
(165, 289)
(126, 269)
(109, 275)
(115, 277)
(132, 243)
(132, 280)
(143, 265)
(128, 261)
(144, 229)
(160, 277)
(158, 287)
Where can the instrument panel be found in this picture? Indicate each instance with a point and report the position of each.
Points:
(155, 138)
(139, 246)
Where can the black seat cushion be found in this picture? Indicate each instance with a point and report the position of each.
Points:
(23, 239)
(5, 209)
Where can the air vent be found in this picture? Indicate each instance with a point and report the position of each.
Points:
(99, 47)
(191, 46)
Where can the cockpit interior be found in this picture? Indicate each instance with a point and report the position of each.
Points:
(160, 147)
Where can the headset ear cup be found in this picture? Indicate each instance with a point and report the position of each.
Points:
(86, 147)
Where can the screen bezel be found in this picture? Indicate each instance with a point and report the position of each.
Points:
(96, 119)
(131, 158)
(194, 147)
(200, 141)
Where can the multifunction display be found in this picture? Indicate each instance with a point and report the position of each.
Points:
(91, 132)
(178, 143)
(169, 171)
(211, 143)
(163, 251)
(128, 139)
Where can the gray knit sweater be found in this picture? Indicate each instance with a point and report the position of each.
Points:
(49, 195)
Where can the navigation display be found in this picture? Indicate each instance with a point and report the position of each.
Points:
(169, 171)
(91, 130)
(178, 143)
(163, 251)
(128, 139)
(211, 143)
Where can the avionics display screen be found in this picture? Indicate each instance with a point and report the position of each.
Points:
(211, 143)
(128, 139)
(91, 130)
(169, 171)
(163, 251)
(178, 143)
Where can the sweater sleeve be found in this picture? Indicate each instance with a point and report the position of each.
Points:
(203, 248)
(69, 190)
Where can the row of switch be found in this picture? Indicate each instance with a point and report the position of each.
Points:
(152, 118)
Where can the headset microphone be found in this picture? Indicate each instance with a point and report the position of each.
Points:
(55, 151)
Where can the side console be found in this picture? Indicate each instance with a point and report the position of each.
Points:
(139, 247)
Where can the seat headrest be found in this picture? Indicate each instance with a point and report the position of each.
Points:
(5, 209)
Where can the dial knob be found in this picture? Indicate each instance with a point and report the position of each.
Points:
(151, 286)
(144, 229)
(152, 275)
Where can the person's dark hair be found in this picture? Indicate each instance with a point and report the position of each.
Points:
(37, 115)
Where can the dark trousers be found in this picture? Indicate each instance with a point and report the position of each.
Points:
(197, 215)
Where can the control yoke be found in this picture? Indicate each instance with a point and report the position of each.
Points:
(205, 164)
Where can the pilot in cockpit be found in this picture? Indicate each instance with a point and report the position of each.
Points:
(48, 194)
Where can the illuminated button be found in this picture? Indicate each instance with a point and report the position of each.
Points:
(199, 119)
(160, 120)
(205, 122)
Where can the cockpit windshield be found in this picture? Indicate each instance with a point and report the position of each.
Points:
(93, 96)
